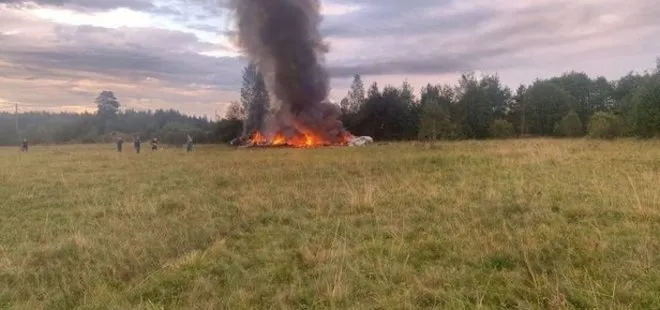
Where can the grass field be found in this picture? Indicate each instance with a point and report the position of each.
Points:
(533, 224)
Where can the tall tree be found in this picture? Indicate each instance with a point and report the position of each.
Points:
(254, 98)
(373, 90)
(646, 101)
(468, 96)
(356, 95)
(515, 110)
(578, 85)
(435, 119)
(601, 95)
(394, 114)
(622, 95)
(495, 95)
(429, 94)
(410, 107)
(107, 104)
(481, 101)
(370, 118)
(107, 109)
(545, 104)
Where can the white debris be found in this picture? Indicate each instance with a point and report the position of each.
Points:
(360, 141)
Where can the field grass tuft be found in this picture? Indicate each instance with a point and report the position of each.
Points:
(531, 224)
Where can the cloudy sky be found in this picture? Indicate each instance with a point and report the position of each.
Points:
(59, 54)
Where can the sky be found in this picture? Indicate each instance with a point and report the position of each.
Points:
(58, 55)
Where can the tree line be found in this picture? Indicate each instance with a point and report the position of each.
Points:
(106, 125)
(476, 107)
(480, 107)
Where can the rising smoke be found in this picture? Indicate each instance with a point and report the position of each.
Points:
(282, 38)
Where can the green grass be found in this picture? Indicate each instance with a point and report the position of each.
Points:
(533, 224)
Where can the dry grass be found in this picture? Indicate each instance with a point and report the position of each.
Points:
(536, 224)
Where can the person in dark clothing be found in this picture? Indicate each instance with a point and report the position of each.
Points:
(154, 144)
(24, 147)
(189, 144)
(136, 144)
(120, 144)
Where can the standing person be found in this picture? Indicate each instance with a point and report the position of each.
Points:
(189, 144)
(120, 143)
(136, 144)
(154, 144)
(24, 146)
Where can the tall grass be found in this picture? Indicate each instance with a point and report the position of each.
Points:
(533, 224)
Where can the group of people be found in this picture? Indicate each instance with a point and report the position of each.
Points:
(137, 144)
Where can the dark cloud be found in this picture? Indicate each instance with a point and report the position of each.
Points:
(477, 37)
(422, 66)
(179, 69)
(391, 17)
(440, 63)
(388, 36)
(133, 53)
(49, 65)
(407, 24)
(379, 38)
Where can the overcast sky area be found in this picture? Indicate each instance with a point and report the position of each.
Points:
(57, 55)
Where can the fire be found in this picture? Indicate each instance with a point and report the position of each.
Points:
(258, 138)
(309, 140)
(279, 140)
(304, 140)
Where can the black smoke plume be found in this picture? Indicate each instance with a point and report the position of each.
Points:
(282, 38)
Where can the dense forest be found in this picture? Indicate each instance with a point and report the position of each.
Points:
(477, 107)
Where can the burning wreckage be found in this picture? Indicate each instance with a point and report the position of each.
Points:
(282, 38)
(257, 139)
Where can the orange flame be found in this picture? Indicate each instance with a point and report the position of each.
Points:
(305, 140)
(279, 140)
(258, 138)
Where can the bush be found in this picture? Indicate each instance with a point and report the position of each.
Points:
(501, 129)
(604, 125)
(570, 125)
